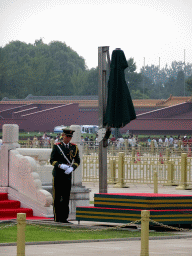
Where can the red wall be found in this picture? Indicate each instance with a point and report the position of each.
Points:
(169, 112)
(46, 120)
(9, 105)
(88, 117)
(159, 125)
(178, 118)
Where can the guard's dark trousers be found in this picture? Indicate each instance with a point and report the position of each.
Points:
(61, 196)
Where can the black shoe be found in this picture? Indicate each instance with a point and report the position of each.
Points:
(66, 221)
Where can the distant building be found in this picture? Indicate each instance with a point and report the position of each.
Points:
(43, 113)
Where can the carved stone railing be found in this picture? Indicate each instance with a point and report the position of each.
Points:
(26, 175)
(41, 156)
(24, 179)
(19, 177)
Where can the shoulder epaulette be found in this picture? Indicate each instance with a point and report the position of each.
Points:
(74, 144)
(57, 143)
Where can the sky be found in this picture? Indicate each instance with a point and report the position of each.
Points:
(150, 31)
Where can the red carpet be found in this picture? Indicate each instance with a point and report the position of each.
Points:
(10, 208)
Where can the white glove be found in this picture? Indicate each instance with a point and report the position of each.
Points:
(64, 167)
(69, 170)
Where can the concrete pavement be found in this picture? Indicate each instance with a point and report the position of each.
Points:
(136, 188)
(167, 247)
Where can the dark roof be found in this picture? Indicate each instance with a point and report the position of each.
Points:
(31, 97)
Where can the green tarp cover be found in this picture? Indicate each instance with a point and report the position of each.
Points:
(120, 110)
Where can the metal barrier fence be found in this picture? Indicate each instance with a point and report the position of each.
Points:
(139, 149)
(133, 168)
(35, 143)
(136, 164)
(92, 146)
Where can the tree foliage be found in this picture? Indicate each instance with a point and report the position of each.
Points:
(55, 69)
(168, 80)
(38, 69)
(189, 84)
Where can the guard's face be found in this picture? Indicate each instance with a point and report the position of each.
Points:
(67, 138)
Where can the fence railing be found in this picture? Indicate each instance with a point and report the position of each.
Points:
(114, 148)
(136, 164)
(35, 143)
(124, 169)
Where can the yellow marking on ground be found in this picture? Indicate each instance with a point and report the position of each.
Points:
(134, 214)
(143, 205)
(110, 213)
(103, 217)
(144, 200)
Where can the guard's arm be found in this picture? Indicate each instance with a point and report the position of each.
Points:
(54, 157)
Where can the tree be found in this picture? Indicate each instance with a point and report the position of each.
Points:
(91, 87)
(40, 69)
(179, 84)
(170, 86)
(133, 78)
(189, 84)
(168, 80)
(79, 82)
(56, 69)
(3, 72)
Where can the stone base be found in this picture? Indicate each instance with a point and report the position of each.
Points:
(79, 197)
(170, 184)
(183, 187)
(119, 185)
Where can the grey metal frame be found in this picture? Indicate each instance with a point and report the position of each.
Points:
(103, 61)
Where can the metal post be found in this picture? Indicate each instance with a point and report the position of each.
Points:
(167, 154)
(183, 181)
(155, 181)
(145, 233)
(179, 144)
(113, 171)
(21, 223)
(170, 174)
(113, 150)
(139, 149)
(86, 151)
(126, 146)
(103, 58)
(120, 183)
(152, 146)
(133, 155)
(28, 143)
(143, 76)
(52, 142)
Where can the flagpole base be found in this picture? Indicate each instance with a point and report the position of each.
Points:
(118, 185)
(170, 184)
(183, 187)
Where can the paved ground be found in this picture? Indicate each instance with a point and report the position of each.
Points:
(136, 188)
(161, 246)
(171, 247)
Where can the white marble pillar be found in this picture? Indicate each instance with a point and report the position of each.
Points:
(77, 174)
(10, 141)
(79, 194)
